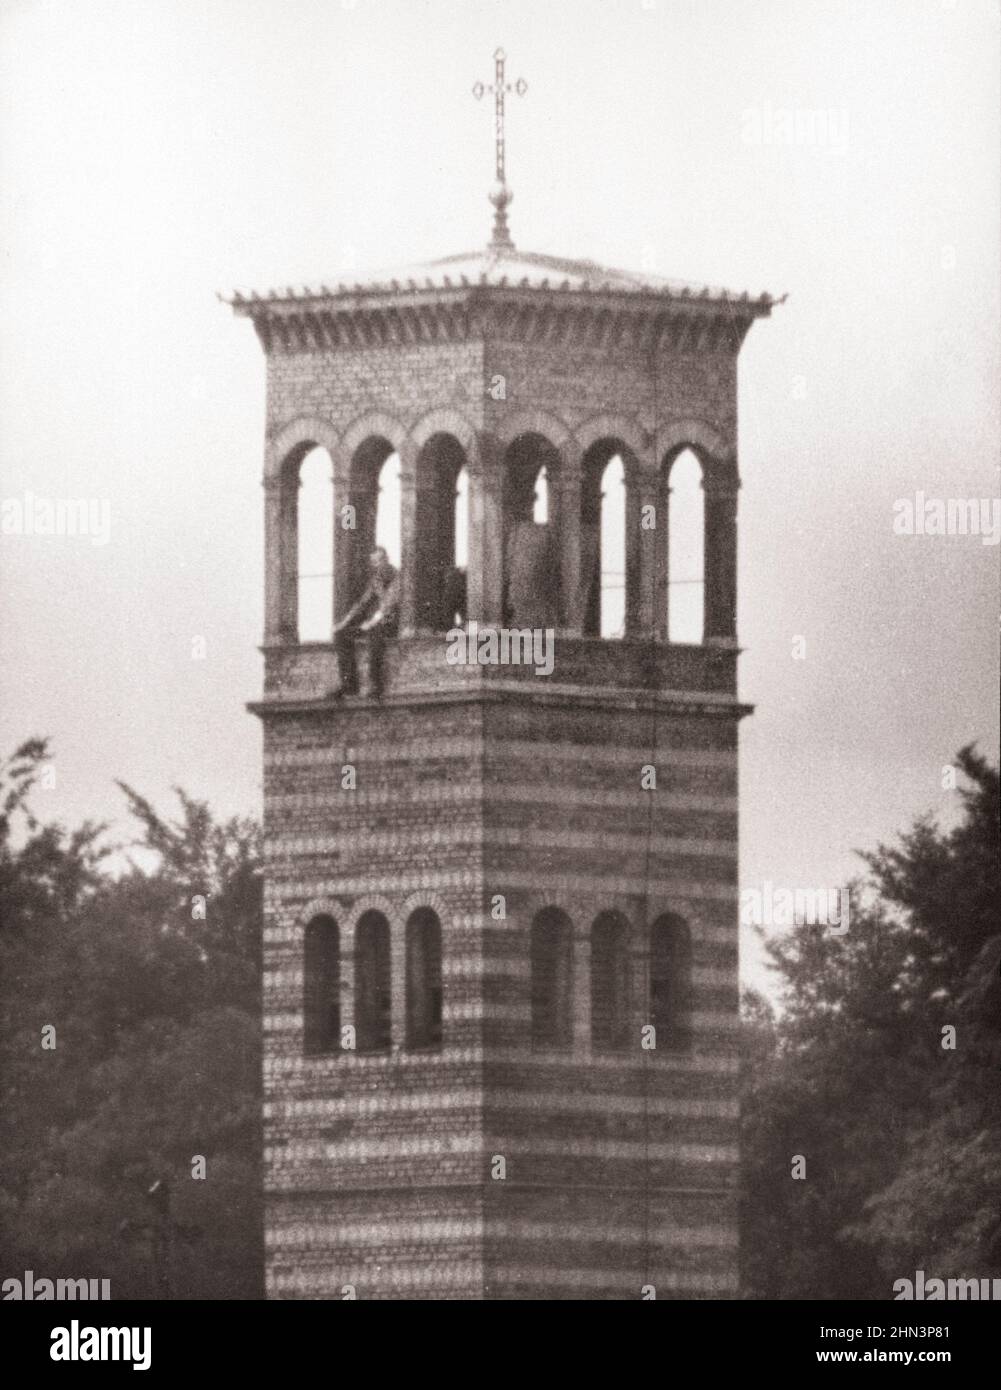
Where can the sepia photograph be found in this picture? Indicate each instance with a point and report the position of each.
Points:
(500, 593)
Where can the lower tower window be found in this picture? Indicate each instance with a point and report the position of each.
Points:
(372, 983)
(424, 979)
(321, 987)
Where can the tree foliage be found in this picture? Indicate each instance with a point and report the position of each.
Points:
(900, 1132)
(147, 966)
(146, 962)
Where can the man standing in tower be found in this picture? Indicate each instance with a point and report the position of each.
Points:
(376, 614)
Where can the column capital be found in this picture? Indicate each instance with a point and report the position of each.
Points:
(720, 487)
(644, 475)
(408, 452)
(486, 458)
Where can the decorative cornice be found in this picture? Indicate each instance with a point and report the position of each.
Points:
(693, 704)
(545, 316)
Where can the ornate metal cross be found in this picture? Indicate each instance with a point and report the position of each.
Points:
(499, 90)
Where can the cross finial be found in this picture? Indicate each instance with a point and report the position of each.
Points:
(500, 194)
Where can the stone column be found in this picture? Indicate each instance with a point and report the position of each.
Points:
(344, 537)
(720, 561)
(650, 542)
(288, 557)
(485, 570)
(364, 497)
(581, 989)
(272, 560)
(398, 985)
(569, 517)
(662, 567)
(634, 625)
(347, 971)
(409, 581)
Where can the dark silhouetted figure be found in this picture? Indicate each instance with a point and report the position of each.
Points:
(376, 615)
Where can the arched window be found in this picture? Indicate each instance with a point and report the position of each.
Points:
(315, 546)
(685, 550)
(455, 588)
(609, 983)
(460, 553)
(372, 983)
(424, 998)
(603, 566)
(387, 508)
(552, 976)
(532, 590)
(540, 502)
(671, 983)
(442, 534)
(613, 549)
(374, 493)
(321, 979)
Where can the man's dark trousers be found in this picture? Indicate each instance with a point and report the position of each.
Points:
(347, 662)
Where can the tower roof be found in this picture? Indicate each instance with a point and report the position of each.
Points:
(501, 267)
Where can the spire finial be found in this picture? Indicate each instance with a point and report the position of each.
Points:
(500, 194)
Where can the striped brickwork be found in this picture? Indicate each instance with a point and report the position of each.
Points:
(489, 1168)
(618, 1167)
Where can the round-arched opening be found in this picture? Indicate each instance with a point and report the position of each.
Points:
(442, 534)
(540, 504)
(604, 601)
(321, 978)
(551, 952)
(685, 550)
(387, 508)
(314, 545)
(531, 573)
(424, 979)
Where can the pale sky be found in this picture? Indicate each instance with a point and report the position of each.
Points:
(153, 153)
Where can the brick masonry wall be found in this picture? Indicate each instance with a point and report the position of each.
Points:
(472, 782)
(574, 383)
(571, 381)
(373, 1162)
(620, 1167)
(341, 386)
(456, 802)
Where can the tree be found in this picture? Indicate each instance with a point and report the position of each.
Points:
(900, 1134)
(150, 978)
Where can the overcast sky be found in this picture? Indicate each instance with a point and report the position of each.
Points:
(153, 152)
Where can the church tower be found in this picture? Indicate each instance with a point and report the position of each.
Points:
(501, 900)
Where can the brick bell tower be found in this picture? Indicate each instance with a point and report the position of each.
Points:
(500, 989)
